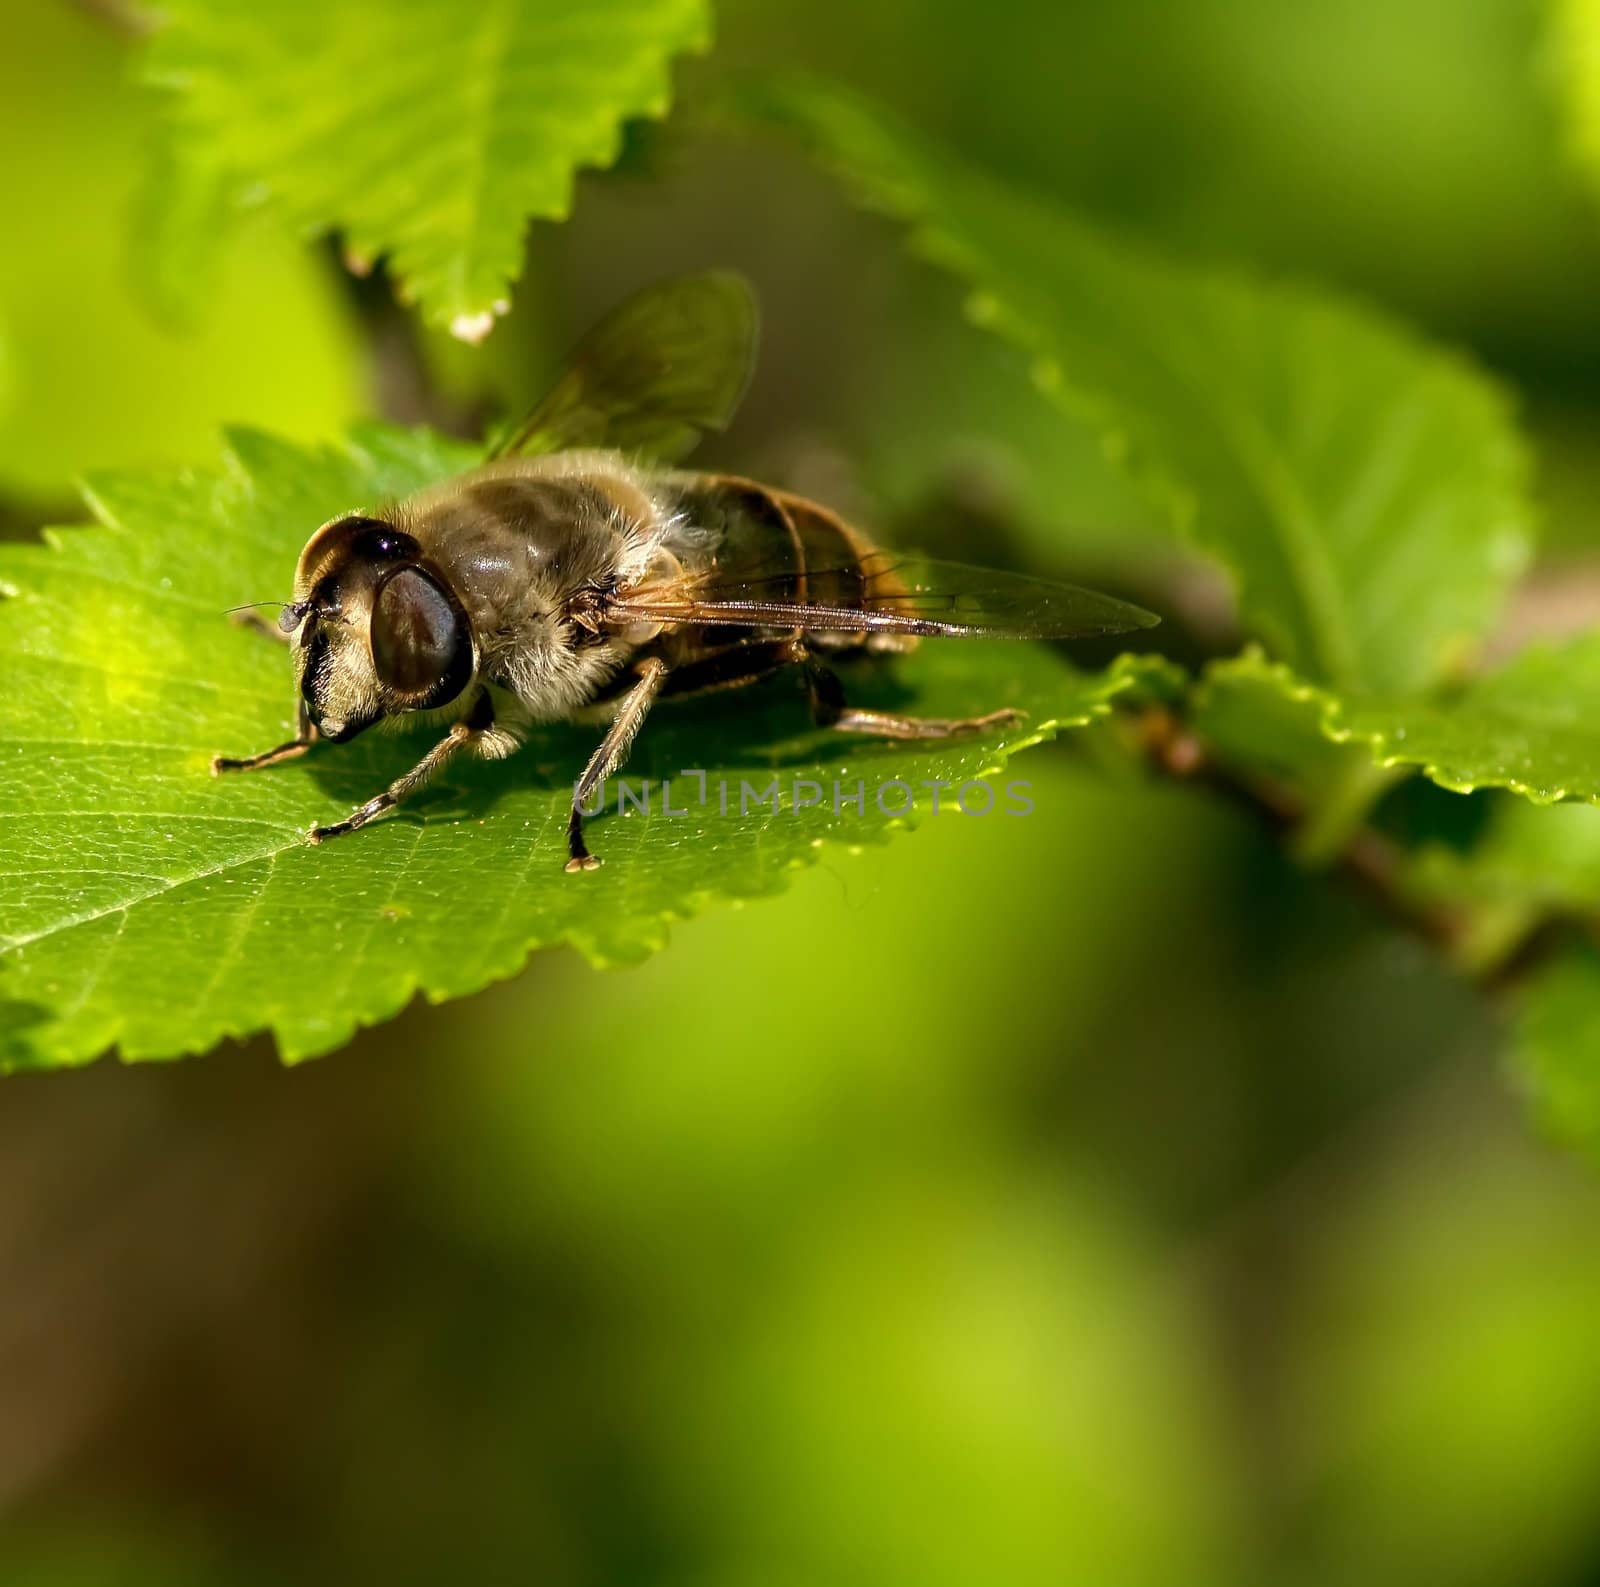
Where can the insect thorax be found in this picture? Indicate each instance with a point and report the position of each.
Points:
(521, 542)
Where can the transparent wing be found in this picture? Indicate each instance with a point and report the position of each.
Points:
(885, 593)
(659, 371)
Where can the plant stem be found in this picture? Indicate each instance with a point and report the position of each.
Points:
(1493, 945)
(1328, 825)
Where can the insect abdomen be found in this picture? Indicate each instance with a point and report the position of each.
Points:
(843, 568)
(795, 551)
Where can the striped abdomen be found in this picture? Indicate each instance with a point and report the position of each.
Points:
(772, 545)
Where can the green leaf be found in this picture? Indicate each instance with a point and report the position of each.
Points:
(94, 382)
(156, 907)
(1364, 489)
(1545, 861)
(183, 220)
(1575, 33)
(1256, 715)
(1533, 727)
(1556, 1049)
(425, 130)
(1530, 865)
(1268, 726)
(1527, 728)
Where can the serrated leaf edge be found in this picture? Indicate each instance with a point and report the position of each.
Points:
(468, 319)
(1121, 676)
(884, 194)
(1253, 662)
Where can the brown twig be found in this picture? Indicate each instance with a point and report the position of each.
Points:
(1373, 863)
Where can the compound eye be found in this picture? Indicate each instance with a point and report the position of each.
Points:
(419, 640)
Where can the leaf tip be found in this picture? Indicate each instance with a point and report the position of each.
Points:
(474, 328)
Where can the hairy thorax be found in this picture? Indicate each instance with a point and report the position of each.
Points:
(524, 541)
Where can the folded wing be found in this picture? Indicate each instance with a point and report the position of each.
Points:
(885, 593)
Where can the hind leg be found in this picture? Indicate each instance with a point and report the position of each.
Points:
(829, 709)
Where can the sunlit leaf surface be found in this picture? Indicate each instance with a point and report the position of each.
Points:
(1529, 727)
(1532, 727)
(426, 130)
(156, 907)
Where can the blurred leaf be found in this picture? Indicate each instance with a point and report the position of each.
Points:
(1446, 1316)
(94, 382)
(1528, 865)
(1575, 29)
(425, 130)
(1525, 728)
(1547, 859)
(1364, 489)
(160, 908)
(7, 380)
(1256, 714)
(1405, 149)
(1555, 1053)
(184, 216)
(1532, 727)
(112, 1548)
(963, 1378)
(1267, 727)
(679, 1132)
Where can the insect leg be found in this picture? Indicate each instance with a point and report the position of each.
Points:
(253, 620)
(610, 755)
(828, 709)
(461, 736)
(732, 668)
(304, 737)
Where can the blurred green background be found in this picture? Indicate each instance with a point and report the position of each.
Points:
(1092, 1198)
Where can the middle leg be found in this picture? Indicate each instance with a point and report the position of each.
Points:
(738, 664)
(829, 709)
(612, 751)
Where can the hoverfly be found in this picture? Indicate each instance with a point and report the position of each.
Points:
(577, 573)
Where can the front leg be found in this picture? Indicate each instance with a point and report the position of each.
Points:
(249, 617)
(305, 736)
(612, 752)
(464, 734)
